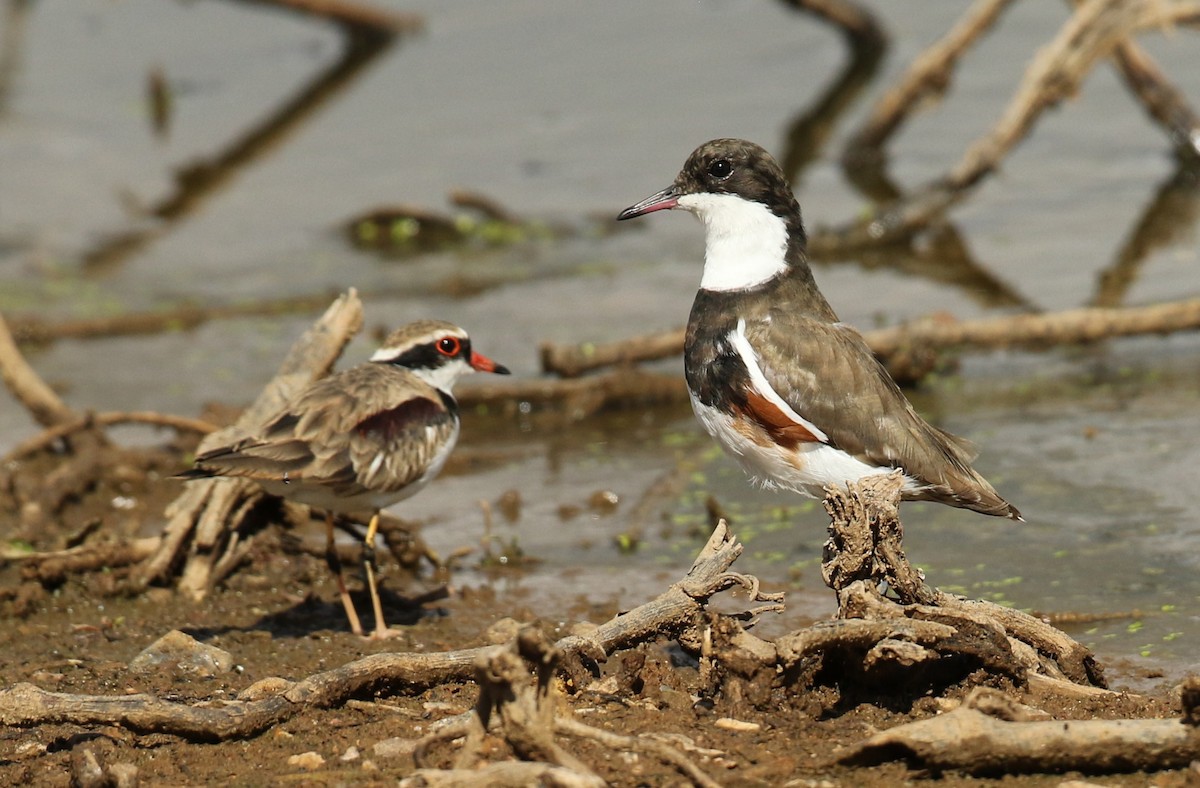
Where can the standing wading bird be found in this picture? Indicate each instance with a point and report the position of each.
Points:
(361, 439)
(792, 393)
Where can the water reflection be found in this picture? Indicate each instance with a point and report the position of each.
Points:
(1168, 219)
(201, 180)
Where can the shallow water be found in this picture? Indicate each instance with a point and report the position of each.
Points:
(1097, 447)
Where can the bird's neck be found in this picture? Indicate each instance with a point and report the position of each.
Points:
(746, 244)
(442, 378)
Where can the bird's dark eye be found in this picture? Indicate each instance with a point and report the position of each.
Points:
(721, 168)
(449, 346)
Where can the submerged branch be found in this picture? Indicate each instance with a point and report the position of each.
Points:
(1096, 29)
(1042, 332)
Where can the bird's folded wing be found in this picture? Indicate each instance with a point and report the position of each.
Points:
(827, 374)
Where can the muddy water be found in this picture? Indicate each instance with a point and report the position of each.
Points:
(1098, 448)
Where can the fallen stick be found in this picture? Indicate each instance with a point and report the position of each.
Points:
(52, 568)
(975, 741)
(56, 433)
(674, 610)
(1073, 326)
(46, 407)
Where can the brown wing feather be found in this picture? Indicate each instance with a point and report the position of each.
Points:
(862, 410)
(335, 429)
(782, 428)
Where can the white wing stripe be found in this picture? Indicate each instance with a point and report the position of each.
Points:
(757, 379)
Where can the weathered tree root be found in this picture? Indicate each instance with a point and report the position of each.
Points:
(864, 550)
(923, 636)
(525, 718)
(671, 612)
(990, 734)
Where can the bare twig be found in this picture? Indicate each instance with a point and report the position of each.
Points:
(46, 407)
(106, 419)
(1074, 326)
(672, 611)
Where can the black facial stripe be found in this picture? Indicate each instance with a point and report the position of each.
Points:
(427, 356)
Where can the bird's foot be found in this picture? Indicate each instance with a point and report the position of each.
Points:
(383, 633)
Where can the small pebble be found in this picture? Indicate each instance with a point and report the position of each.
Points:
(351, 754)
(185, 652)
(394, 747)
(265, 688)
(308, 761)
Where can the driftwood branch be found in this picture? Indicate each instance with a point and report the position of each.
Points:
(577, 397)
(928, 77)
(52, 568)
(46, 407)
(989, 734)
(896, 346)
(1093, 32)
(527, 716)
(52, 435)
(671, 612)
(864, 550)
(1163, 101)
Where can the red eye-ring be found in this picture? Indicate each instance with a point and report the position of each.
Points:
(449, 346)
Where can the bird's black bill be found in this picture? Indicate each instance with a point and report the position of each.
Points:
(660, 201)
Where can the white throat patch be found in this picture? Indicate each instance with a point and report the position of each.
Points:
(744, 242)
(444, 377)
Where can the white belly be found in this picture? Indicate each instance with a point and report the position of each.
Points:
(806, 470)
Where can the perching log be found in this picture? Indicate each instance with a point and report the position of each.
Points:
(864, 550)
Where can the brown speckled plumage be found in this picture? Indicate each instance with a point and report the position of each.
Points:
(362, 439)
